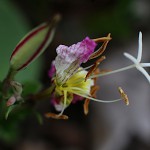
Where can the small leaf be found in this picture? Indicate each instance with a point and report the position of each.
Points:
(33, 45)
(10, 108)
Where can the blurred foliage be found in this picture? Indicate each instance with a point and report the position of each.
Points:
(114, 20)
(12, 116)
(31, 87)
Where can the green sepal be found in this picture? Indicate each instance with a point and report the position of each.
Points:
(9, 110)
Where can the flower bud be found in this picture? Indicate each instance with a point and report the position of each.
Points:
(33, 44)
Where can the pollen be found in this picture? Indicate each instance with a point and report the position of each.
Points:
(123, 96)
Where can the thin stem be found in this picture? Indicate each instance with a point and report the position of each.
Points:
(85, 68)
(65, 102)
(98, 100)
(10, 75)
(7, 80)
(114, 71)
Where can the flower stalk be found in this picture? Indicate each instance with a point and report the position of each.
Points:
(6, 82)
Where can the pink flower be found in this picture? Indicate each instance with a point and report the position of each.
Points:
(69, 59)
(80, 51)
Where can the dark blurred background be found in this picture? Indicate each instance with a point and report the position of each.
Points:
(107, 126)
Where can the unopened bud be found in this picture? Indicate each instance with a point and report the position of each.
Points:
(33, 44)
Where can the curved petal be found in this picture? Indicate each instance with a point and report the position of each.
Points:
(139, 56)
(131, 58)
(144, 72)
(145, 64)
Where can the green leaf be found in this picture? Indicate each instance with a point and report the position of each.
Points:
(10, 108)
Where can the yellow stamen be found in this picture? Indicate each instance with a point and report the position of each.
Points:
(87, 101)
(86, 106)
(56, 116)
(102, 39)
(101, 49)
(94, 90)
(94, 67)
(123, 96)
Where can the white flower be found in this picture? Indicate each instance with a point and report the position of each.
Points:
(137, 61)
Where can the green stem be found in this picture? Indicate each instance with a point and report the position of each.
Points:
(6, 82)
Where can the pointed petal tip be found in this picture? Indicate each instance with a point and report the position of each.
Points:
(140, 36)
(140, 33)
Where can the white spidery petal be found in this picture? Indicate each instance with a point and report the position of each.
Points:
(137, 61)
(144, 72)
(131, 58)
(145, 64)
(139, 56)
